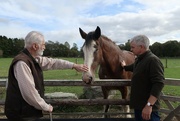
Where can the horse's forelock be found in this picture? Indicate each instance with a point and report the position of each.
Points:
(89, 38)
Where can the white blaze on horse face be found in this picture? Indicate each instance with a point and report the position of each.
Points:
(88, 60)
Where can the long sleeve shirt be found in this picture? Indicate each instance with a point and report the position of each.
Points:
(148, 79)
(26, 83)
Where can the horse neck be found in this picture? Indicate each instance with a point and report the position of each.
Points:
(110, 52)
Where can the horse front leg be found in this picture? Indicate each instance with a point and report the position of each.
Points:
(126, 95)
(105, 92)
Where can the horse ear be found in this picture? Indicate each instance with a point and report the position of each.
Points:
(97, 33)
(83, 34)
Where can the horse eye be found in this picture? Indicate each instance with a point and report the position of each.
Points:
(95, 46)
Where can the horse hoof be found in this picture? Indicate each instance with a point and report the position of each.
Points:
(128, 116)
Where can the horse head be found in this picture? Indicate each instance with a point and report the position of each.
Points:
(92, 53)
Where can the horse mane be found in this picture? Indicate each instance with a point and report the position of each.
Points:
(112, 52)
(108, 39)
(111, 44)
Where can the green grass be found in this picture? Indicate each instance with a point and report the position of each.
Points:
(172, 68)
(4, 66)
(172, 71)
(51, 74)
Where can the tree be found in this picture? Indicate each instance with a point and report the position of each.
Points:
(126, 46)
(49, 48)
(67, 45)
(74, 51)
(171, 48)
(157, 49)
(6, 45)
(63, 51)
(18, 45)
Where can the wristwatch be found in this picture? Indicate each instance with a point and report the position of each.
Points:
(149, 104)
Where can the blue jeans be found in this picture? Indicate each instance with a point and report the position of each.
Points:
(138, 116)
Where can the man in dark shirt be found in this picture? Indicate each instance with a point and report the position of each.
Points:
(147, 80)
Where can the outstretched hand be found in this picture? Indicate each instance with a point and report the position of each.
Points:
(80, 67)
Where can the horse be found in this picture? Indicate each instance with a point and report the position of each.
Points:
(100, 51)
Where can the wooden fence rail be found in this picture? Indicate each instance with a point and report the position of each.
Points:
(171, 111)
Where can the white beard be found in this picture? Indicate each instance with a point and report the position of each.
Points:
(40, 52)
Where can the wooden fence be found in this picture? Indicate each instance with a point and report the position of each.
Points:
(171, 112)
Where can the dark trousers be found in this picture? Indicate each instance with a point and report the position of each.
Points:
(24, 119)
(30, 119)
(138, 116)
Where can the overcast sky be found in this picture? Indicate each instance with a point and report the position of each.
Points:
(120, 20)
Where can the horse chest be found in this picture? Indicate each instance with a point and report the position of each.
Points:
(105, 73)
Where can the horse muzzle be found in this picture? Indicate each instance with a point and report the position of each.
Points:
(87, 78)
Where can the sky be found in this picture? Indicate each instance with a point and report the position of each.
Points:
(119, 20)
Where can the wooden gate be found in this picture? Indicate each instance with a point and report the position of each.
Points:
(171, 111)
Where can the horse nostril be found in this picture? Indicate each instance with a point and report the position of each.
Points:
(90, 78)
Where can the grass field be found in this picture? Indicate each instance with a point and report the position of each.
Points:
(172, 70)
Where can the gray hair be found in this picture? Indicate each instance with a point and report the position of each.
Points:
(141, 40)
(33, 37)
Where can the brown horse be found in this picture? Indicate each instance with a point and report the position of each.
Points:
(101, 51)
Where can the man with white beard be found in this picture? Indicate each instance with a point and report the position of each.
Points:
(25, 87)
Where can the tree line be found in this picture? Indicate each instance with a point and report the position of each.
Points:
(170, 48)
(9, 47)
